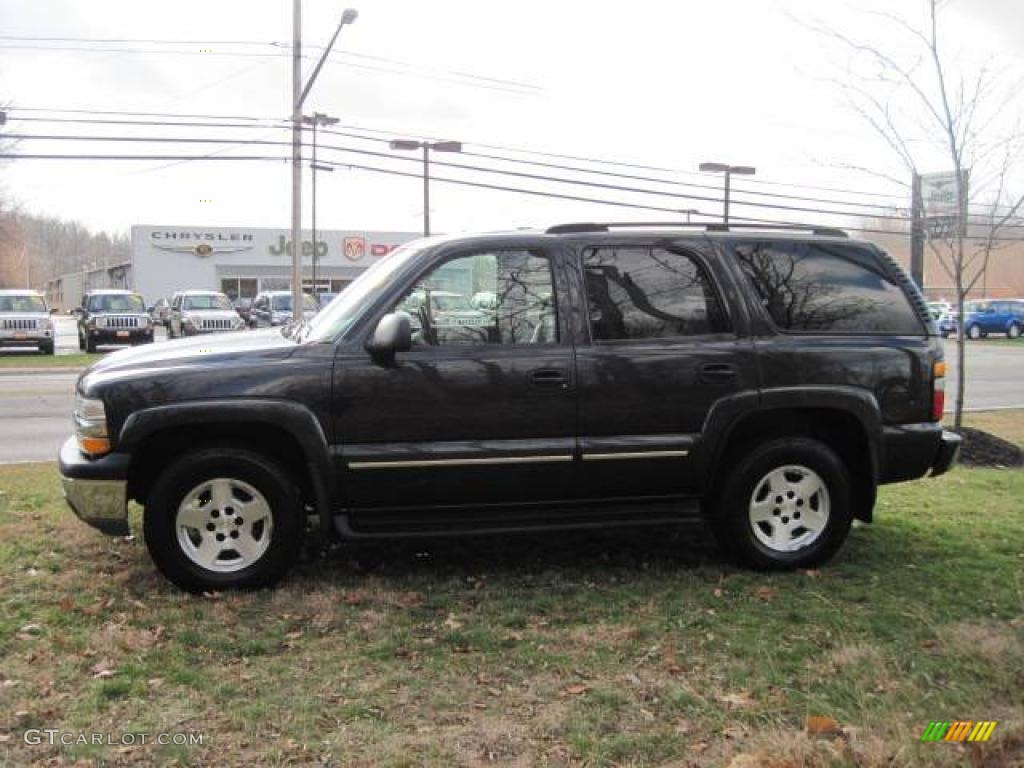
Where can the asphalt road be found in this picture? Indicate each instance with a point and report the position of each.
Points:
(35, 408)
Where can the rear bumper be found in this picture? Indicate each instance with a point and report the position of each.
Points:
(948, 453)
(96, 489)
(915, 450)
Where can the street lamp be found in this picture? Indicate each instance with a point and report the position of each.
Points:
(728, 170)
(317, 118)
(299, 93)
(426, 146)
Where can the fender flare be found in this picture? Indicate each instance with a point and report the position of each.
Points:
(726, 414)
(295, 419)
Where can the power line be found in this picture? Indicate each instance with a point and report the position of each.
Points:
(286, 46)
(435, 178)
(472, 81)
(505, 148)
(499, 158)
(473, 168)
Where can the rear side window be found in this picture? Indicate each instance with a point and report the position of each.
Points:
(819, 288)
(649, 293)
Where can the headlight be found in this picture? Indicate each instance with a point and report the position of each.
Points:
(188, 319)
(90, 419)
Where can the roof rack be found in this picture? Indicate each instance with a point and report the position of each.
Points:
(582, 227)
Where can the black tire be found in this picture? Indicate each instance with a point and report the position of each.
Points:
(46, 347)
(226, 461)
(81, 340)
(90, 344)
(730, 512)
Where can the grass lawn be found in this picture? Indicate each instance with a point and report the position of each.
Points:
(36, 360)
(627, 649)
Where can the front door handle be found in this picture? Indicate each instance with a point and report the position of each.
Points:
(717, 373)
(549, 378)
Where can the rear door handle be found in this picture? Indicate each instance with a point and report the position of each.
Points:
(716, 373)
(549, 378)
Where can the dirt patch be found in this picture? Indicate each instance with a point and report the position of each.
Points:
(983, 449)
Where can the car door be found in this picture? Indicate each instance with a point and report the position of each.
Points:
(481, 412)
(663, 350)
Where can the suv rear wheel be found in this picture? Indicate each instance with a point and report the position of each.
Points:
(223, 518)
(786, 504)
(1013, 331)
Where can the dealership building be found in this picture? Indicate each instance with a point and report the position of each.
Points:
(239, 261)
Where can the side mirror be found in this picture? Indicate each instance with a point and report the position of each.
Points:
(392, 334)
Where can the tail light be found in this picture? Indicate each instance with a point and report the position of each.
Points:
(938, 390)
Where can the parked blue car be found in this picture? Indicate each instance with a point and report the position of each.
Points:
(1000, 316)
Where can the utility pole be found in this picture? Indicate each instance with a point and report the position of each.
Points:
(916, 232)
(296, 158)
(728, 170)
(426, 146)
(299, 94)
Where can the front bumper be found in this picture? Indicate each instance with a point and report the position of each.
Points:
(120, 336)
(25, 338)
(948, 453)
(96, 489)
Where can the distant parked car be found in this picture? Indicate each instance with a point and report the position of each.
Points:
(323, 299)
(947, 324)
(160, 313)
(113, 316)
(25, 321)
(275, 308)
(243, 306)
(1001, 316)
(195, 312)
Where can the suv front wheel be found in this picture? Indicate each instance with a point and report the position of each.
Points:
(785, 504)
(223, 518)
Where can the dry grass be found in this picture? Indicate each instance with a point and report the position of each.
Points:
(604, 649)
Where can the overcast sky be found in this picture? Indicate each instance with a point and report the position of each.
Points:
(649, 82)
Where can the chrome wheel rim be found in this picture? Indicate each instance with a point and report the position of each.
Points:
(789, 508)
(224, 525)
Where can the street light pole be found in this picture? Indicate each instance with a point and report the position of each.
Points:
(728, 170)
(318, 118)
(299, 94)
(426, 146)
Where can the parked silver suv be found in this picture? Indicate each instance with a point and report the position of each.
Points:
(25, 320)
(195, 312)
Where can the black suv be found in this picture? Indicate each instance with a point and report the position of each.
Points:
(113, 316)
(614, 375)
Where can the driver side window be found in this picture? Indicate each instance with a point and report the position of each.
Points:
(490, 297)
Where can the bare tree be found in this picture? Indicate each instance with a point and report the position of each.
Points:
(917, 91)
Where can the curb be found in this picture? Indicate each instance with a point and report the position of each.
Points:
(48, 369)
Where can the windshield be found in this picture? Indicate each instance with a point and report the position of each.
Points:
(209, 301)
(22, 304)
(284, 303)
(118, 302)
(338, 316)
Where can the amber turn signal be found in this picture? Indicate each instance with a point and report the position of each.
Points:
(93, 446)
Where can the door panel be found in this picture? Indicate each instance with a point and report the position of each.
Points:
(481, 411)
(662, 353)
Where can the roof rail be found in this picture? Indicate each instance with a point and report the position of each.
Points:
(582, 227)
